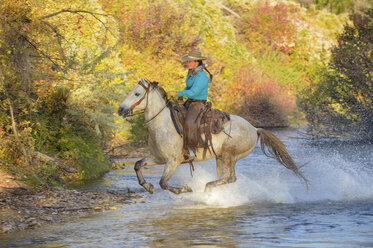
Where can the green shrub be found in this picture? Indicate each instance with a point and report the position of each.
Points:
(335, 6)
(138, 130)
(342, 103)
(81, 146)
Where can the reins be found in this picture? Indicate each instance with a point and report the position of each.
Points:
(156, 114)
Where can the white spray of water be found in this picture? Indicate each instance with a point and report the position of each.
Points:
(331, 178)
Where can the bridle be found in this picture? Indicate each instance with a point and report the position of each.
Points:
(147, 90)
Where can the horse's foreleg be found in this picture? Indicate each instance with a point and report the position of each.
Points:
(227, 169)
(169, 170)
(145, 161)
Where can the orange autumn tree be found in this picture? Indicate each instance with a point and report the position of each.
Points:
(260, 99)
(269, 25)
(157, 27)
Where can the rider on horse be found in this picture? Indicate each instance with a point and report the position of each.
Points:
(233, 137)
(197, 83)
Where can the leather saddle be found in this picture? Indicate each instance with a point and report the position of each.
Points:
(209, 121)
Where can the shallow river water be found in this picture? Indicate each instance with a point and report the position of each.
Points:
(267, 206)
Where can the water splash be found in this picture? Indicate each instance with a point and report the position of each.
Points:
(333, 174)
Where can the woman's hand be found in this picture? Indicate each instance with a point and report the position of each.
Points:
(172, 93)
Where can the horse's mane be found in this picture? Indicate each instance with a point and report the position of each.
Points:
(160, 90)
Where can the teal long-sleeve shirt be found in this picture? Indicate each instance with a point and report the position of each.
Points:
(196, 87)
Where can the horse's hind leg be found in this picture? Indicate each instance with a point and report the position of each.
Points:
(145, 161)
(168, 171)
(219, 167)
(227, 167)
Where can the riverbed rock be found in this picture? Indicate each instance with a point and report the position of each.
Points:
(35, 208)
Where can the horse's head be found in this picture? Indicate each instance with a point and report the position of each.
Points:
(136, 100)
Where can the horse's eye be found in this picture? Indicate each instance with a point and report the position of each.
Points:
(137, 94)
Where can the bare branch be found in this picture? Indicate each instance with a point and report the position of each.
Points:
(59, 36)
(94, 14)
(49, 160)
(14, 128)
(228, 9)
(41, 52)
(73, 11)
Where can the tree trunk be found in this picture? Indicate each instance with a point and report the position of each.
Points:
(45, 158)
(15, 132)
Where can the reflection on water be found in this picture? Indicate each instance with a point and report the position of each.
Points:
(267, 206)
(195, 227)
(323, 224)
(267, 225)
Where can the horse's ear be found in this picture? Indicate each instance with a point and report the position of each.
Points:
(138, 80)
(144, 81)
(148, 81)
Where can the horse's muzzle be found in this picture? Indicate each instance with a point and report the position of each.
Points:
(124, 112)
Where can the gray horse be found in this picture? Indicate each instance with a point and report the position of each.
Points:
(237, 140)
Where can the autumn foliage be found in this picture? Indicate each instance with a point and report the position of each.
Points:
(157, 28)
(260, 99)
(67, 64)
(270, 25)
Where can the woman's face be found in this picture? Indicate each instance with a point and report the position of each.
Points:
(192, 64)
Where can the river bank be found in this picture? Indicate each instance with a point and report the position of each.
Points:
(22, 207)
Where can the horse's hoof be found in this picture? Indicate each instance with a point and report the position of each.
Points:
(186, 189)
(149, 187)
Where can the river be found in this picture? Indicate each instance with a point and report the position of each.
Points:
(266, 207)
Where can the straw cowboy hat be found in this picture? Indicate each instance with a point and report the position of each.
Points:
(193, 55)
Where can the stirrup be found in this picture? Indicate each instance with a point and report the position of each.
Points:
(188, 155)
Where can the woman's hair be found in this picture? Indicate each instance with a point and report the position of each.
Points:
(200, 62)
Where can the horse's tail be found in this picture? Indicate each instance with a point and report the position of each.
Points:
(278, 151)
